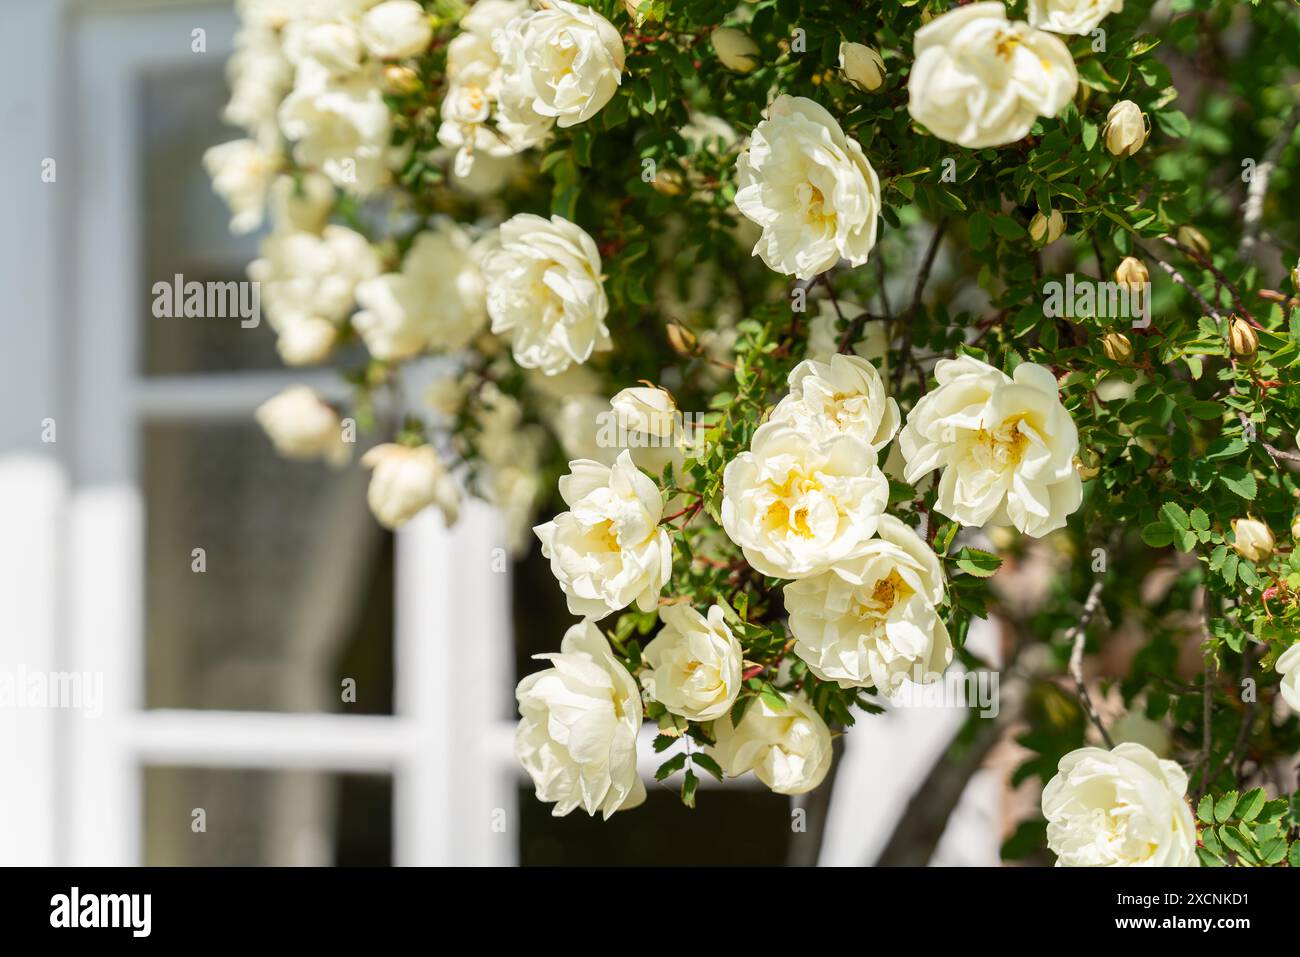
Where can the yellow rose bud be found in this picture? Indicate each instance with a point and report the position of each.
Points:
(1047, 229)
(1254, 539)
(1131, 271)
(681, 339)
(1126, 129)
(1117, 347)
(735, 49)
(401, 79)
(1295, 528)
(1194, 239)
(1242, 338)
(862, 66)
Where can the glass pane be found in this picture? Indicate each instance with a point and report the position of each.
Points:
(185, 225)
(290, 598)
(275, 818)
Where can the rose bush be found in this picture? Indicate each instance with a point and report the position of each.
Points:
(806, 340)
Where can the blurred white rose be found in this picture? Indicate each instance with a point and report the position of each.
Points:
(259, 75)
(1288, 666)
(406, 481)
(736, 49)
(339, 126)
(544, 289)
(843, 396)
(1071, 16)
(567, 64)
(981, 80)
(1119, 808)
(306, 341)
(810, 188)
(301, 204)
(826, 329)
(695, 663)
(301, 425)
(608, 550)
(873, 621)
(309, 276)
(437, 300)
(241, 174)
(788, 749)
(577, 735)
(1005, 445)
(396, 29)
(796, 505)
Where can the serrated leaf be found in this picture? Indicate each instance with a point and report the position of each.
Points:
(689, 784)
(975, 562)
(1251, 803)
(1205, 810)
(702, 760)
(671, 766)
(1224, 807)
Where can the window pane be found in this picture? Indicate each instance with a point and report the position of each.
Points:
(291, 595)
(274, 818)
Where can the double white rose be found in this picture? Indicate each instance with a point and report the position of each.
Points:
(577, 736)
(1288, 666)
(1119, 808)
(406, 481)
(301, 425)
(1071, 16)
(1006, 446)
(981, 80)
(608, 550)
(873, 621)
(695, 663)
(810, 188)
(340, 126)
(796, 505)
(563, 63)
(788, 749)
(843, 396)
(396, 29)
(308, 282)
(436, 301)
(544, 289)
(242, 173)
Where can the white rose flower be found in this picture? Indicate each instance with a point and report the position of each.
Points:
(577, 424)
(577, 735)
(544, 289)
(568, 62)
(810, 188)
(1126, 129)
(873, 621)
(241, 174)
(1079, 17)
(406, 481)
(259, 76)
(844, 396)
(436, 301)
(797, 506)
(306, 276)
(789, 749)
(1006, 446)
(335, 45)
(301, 205)
(1119, 808)
(1288, 666)
(396, 29)
(608, 550)
(861, 65)
(306, 341)
(1253, 539)
(695, 663)
(340, 126)
(981, 80)
(301, 425)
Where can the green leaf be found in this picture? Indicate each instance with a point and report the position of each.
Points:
(671, 766)
(1205, 810)
(1175, 515)
(664, 741)
(1157, 535)
(702, 760)
(975, 562)
(1251, 803)
(1239, 481)
(1224, 807)
(1293, 858)
(1200, 521)
(689, 784)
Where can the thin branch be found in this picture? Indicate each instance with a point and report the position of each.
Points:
(1207, 700)
(922, 277)
(1253, 208)
(1077, 635)
(1223, 280)
(1176, 276)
